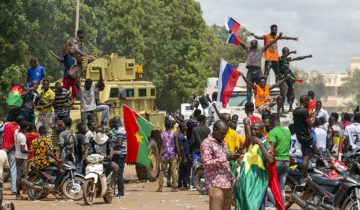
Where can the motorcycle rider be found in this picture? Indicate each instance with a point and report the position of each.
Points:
(102, 145)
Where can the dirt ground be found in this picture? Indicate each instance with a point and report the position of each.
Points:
(138, 195)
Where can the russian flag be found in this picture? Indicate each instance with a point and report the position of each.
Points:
(233, 39)
(228, 77)
(232, 25)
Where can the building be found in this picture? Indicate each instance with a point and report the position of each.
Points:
(354, 62)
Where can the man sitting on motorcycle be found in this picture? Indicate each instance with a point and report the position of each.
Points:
(102, 145)
(42, 149)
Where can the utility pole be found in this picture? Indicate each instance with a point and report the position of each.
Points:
(77, 16)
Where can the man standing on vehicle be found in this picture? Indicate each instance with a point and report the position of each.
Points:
(303, 123)
(217, 171)
(87, 98)
(21, 155)
(119, 144)
(62, 103)
(35, 72)
(280, 139)
(272, 53)
(253, 61)
(46, 113)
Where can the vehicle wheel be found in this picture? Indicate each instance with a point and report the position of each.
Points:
(89, 191)
(108, 198)
(350, 204)
(35, 194)
(141, 171)
(289, 188)
(72, 190)
(200, 182)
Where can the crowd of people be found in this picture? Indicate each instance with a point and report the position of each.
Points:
(223, 143)
(27, 142)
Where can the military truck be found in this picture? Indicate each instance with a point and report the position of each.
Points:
(122, 77)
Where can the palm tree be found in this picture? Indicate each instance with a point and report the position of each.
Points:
(351, 85)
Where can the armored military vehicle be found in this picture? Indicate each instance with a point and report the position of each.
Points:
(124, 86)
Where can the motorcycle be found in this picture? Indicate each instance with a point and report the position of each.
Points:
(55, 180)
(198, 176)
(321, 165)
(333, 194)
(97, 184)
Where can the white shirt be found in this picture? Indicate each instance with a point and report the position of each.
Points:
(89, 135)
(239, 130)
(295, 147)
(19, 140)
(320, 138)
(211, 109)
(353, 132)
(323, 113)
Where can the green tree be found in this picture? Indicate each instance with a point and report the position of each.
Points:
(311, 81)
(351, 86)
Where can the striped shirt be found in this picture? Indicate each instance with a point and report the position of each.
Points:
(119, 133)
(61, 99)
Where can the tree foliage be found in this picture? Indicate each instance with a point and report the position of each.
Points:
(351, 86)
(311, 81)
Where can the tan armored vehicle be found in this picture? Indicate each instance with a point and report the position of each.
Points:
(123, 85)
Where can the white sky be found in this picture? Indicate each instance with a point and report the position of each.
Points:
(327, 29)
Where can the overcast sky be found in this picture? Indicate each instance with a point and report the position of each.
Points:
(327, 29)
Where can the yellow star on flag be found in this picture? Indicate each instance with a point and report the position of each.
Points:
(16, 92)
(138, 137)
(253, 158)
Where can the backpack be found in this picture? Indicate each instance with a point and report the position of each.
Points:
(74, 70)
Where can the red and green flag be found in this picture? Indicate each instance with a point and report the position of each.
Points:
(137, 132)
(255, 176)
(14, 97)
(297, 80)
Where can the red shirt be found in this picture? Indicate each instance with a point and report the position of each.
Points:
(9, 132)
(29, 138)
(312, 106)
(217, 171)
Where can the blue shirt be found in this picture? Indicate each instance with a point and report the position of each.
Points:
(119, 133)
(35, 74)
(69, 60)
(184, 141)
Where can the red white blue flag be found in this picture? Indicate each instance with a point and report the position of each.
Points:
(232, 25)
(233, 39)
(228, 77)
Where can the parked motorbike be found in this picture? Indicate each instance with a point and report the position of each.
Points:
(198, 176)
(55, 180)
(97, 184)
(333, 194)
(322, 165)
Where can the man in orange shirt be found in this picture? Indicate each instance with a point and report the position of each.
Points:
(262, 94)
(272, 53)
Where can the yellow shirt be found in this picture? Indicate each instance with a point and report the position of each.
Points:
(232, 140)
(46, 97)
(242, 139)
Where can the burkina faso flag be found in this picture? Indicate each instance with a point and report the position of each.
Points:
(255, 176)
(14, 97)
(137, 132)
